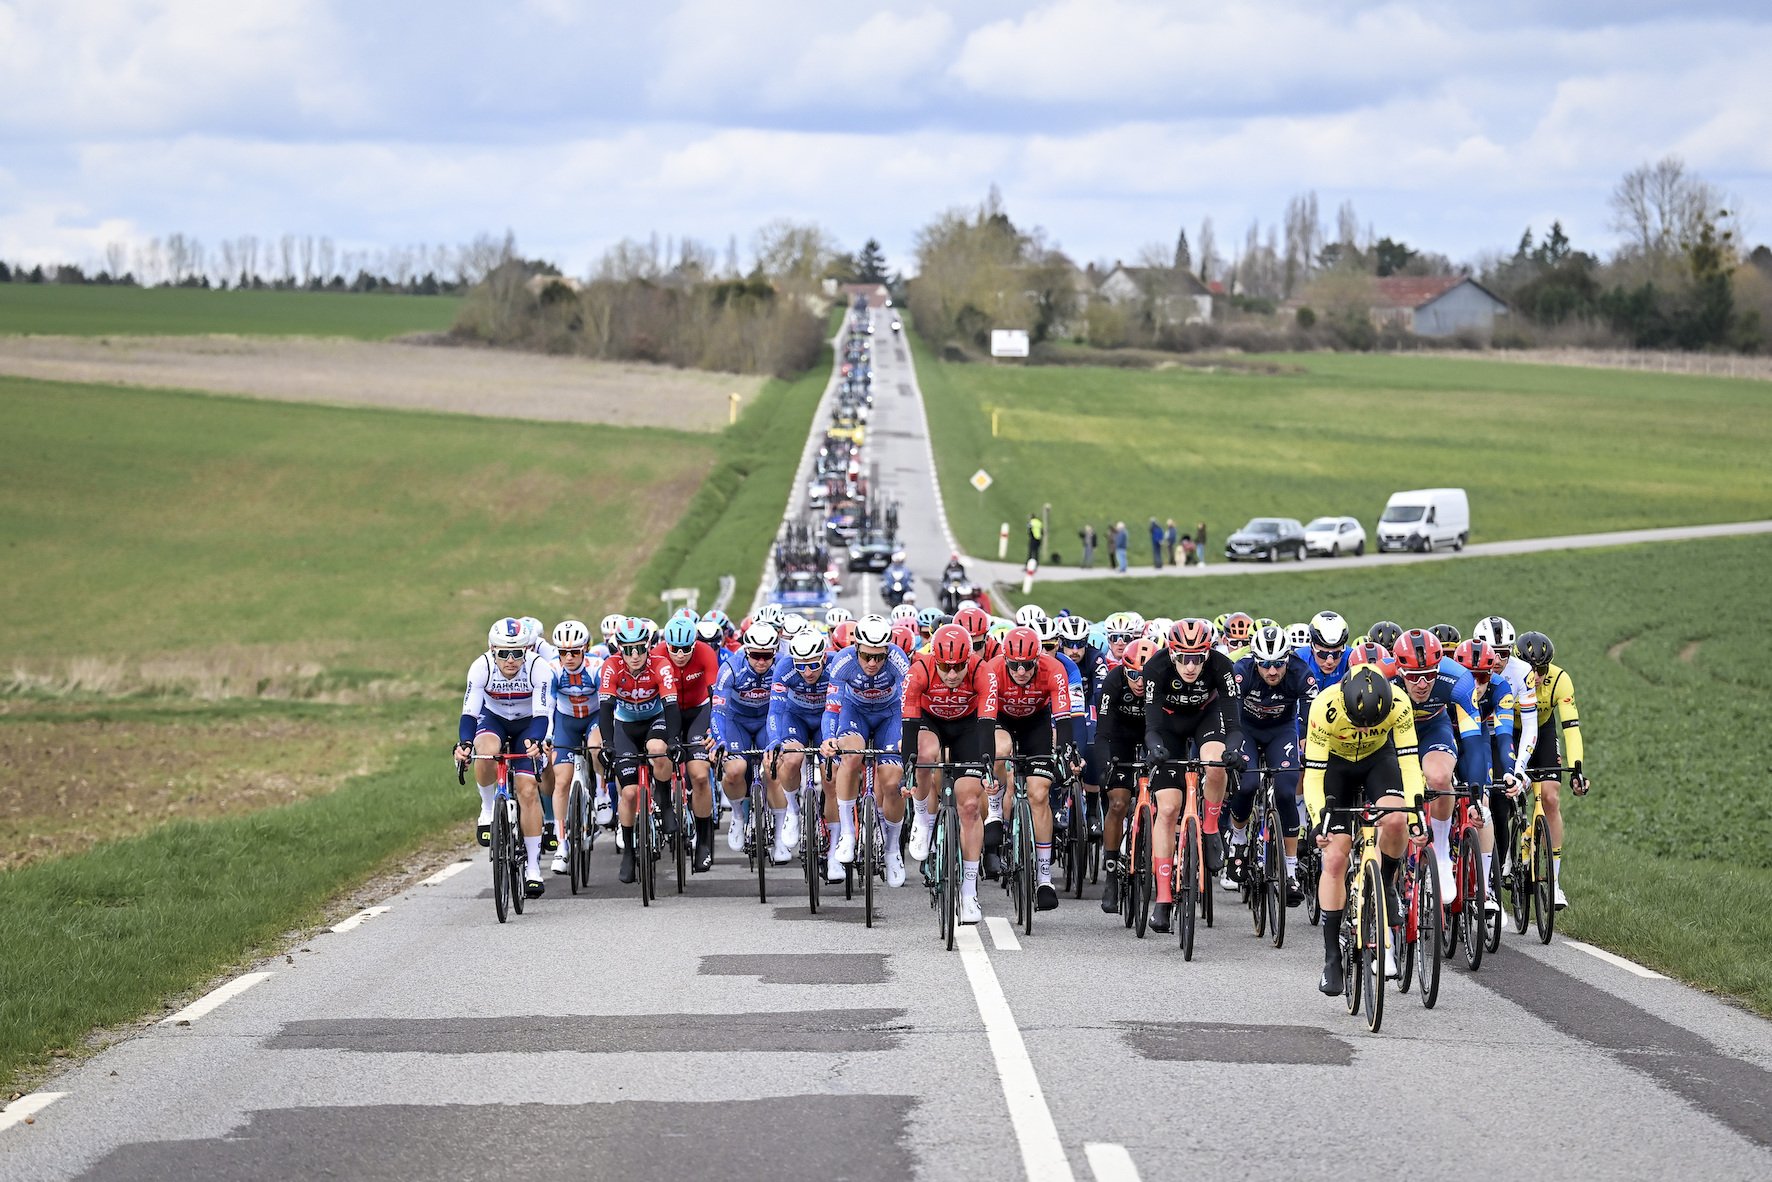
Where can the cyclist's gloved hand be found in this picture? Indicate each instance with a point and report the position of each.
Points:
(462, 751)
(1156, 755)
(1511, 781)
(1577, 781)
(1070, 756)
(1235, 761)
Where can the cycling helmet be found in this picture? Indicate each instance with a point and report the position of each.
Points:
(1269, 644)
(928, 619)
(1136, 654)
(951, 645)
(905, 636)
(1265, 622)
(973, 621)
(1118, 625)
(873, 631)
(686, 611)
(720, 619)
(1535, 649)
(533, 629)
(807, 646)
(571, 634)
(771, 613)
(633, 631)
(1098, 634)
(1028, 613)
(1192, 635)
(709, 630)
(843, 635)
(1385, 632)
(1417, 651)
(1073, 630)
(904, 611)
(1157, 628)
(1298, 635)
(651, 626)
(1495, 632)
(836, 615)
(507, 633)
(1046, 628)
(609, 624)
(1370, 652)
(679, 632)
(761, 637)
(1447, 635)
(793, 624)
(1238, 627)
(1134, 622)
(1328, 630)
(1478, 657)
(1367, 696)
(1218, 623)
(1021, 644)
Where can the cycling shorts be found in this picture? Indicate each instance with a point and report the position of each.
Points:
(880, 730)
(510, 732)
(1436, 734)
(570, 735)
(1546, 754)
(1277, 748)
(1181, 733)
(957, 740)
(630, 740)
(802, 728)
(1350, 784)
(694, 734)
(1031, 738)
(1118, 761)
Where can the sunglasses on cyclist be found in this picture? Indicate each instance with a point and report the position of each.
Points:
(1326, 655)
(1123, 637)
(634, 650)
(1021, 666)
(944, 667)
(870, 657)
(1420, 677)
(809, 666)
(1050, 646)
(978, 644)
(759, 654)
(682, 648)
(1279, 664)
(1190, 658)
(508, 654)
(572, 652)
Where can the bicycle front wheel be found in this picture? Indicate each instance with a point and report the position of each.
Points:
(1375, 933)
(645, 839)
(810, 855)
(1027, 870)
(1143, 873)
(1520, 881)
(517, 858)
(950, 874)
(1544, 880)
(1430, 919)
(1474, 899)
(762, 838)
(867, 822)
(1077, 858)
(501, 859)
(575, 835)
(1276, 880)
(1189, 887)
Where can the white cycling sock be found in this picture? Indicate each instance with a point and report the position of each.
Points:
(968, 879)
(1442, 836)
(488, 795)
(1557, 870)
(1488, 861)
(781, 817)
(1043, 861)
(924, 811)
(1239, 834)
(846, 817)
(891, 829)
(532, 846)
(1291, 865)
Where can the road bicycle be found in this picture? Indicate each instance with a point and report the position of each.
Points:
(1365, 929)
(508, 858)
(941, 869)
(581, 830)
(759, 831)
(1073, 845)
(869, 866)
(1417, 932)
(1134, 866)
(1262, 869)
(815, 834)
(1532, 887)
(1191, 886)
(1467, 918)
(1020, 870)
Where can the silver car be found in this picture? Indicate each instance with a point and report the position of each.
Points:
(1335, 536)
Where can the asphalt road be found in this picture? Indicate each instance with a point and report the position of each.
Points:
(716, 1035)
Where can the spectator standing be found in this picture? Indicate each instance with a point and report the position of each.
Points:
(1169, 540)
(1036, 535)
(1200, 542)
(1121, 540)
(1087, 536)
(1156, 544)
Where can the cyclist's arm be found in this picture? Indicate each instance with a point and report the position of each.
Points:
(1504, 726)
(1316, 761)
(1408, 750)
(1526, 740)
(473, 700)
(1568, 718)
(1473, 744)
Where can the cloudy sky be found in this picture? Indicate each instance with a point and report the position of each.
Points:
(1108, 122)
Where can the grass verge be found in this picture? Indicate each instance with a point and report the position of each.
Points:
(1672, 664)
(56, 310)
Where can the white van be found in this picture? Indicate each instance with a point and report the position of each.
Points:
(1425, 519)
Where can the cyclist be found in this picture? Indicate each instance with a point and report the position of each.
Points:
(978, 627)
(1448, 636)
(942, 695)
(1238, 628)
(1274, 688)
(928, 620)
(798, 696)
(836, 615)
(1119, 734)
(1557, 746)
(1298, 635)
(696, 668)
(572, 688)
(607, 627)
(1495, 698)
(639, 717)
(1498, 633)
(1074, 645)
(1190, 698)
(742, 699)
(1370, 652)
(1359, 750)
(1448, 732)
(1027, 695)
(1325, 651)
(538, 639)
(1385, 633)
(505, 710)
(862, 710)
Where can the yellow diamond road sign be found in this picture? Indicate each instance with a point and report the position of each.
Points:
(981, 480)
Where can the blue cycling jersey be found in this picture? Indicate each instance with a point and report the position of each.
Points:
(740, 698)
(796, 705)
(1452, 705)
(1323, 677)
(857, 691)
(1266, 706)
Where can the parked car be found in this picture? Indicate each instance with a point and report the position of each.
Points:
(1267, 539)
(1424, 519)
(1335, 536)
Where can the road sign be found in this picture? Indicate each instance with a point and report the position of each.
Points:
(1009, 342)
(981, 480)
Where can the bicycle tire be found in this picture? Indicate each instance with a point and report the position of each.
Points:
(1253, 888)
(1492, 922)
(1544, 882)
(1403, 926)
(1353, 964)
(811, 808)
(1029, 871)
(1276, 880)
(1188, 887)
(1520, 881)
(1473, 896)
(1079, 851)
(934, 869)
(762, 838)
(951, 875)
(680, 842)
(1430, 918)
(643, 839)
(1128, 889)
(1309, 873)
(1144, 871)
(518, 859)
(500, 859)
(1376, 930)
(574, 833)
(866, 821)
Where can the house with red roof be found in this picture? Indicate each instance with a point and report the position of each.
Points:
(1435, 305)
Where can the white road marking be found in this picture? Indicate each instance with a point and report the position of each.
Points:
(1042, 1154)
(448, 872)
(215, 997)
(356, 920)
(1111, 1163)
(1629, 966)
(1002, 933)
(27, 1106)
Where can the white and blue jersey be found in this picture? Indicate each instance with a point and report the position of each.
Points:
(867, 704)
(796, 705)
(513, 708)
(575, 707)
(1451, 721)
(741, 703)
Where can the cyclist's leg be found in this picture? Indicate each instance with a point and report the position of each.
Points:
(1241, 800)
(1547, 754)
(1209, 733)
(1280, 753)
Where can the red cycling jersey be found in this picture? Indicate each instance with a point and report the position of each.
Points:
(643, 692)
(695, 679)
(1049, 687)
(926, 693)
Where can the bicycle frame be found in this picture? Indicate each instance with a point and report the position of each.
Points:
(1366, 928)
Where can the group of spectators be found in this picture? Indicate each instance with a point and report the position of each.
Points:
(1169, 547)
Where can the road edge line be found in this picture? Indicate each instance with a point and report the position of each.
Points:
(1110, 1162)
(215, 997)
(1002, 934)
(355, 921)
(1617, 961)
(26, 1107)
(448, 872)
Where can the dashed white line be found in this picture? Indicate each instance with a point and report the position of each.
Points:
(1629, 966)
(25, 1107)
(215, 997)
(1110, 1163)
(356, 920)
(1002, 933)
(1042, 1154)
(448, 872)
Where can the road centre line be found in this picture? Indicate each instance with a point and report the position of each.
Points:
(1042, 1153)
(216, 997)
(448, 872)
(1612, 958)
(356, 920)
(26, 1107)
(1109, 1162)
(1002, 934)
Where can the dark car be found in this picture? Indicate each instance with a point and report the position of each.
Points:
(1266, 539)
(871, 552)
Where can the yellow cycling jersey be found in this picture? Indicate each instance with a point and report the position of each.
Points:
(1329, 735)
(1556, 698)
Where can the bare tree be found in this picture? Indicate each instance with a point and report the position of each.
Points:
(230, 262)
(1658, 207)
(248, 259)
(116, 258)
(307, 258)
(325, 255)
(1208, 248)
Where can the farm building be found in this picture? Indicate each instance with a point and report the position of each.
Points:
(1435, 305)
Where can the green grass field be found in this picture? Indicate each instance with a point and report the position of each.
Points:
(48, 309)
(1542, 450)
(1672, 662)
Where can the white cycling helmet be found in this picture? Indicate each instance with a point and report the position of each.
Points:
(1028, 614)
(609, 624)
(1134, 621)
(794, 624)
(761, 636)
(1328, 630)
(1495, 632)
(904, 611)
(1073, 629)
(1298, 635)
(875, 631)
(708, 628)
(1269, 644)
(571, 634)
(1157, 628)
(1046, 628)
(534, 629)
(771, 613)
(507, 633)
(809, 645)
(910, 597)
(836, 615)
